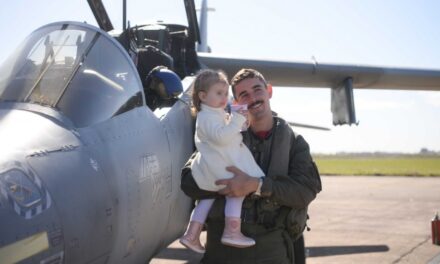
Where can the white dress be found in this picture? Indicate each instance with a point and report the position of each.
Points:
(219, 143)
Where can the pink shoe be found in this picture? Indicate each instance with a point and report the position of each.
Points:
(232, 235)
(191, 238)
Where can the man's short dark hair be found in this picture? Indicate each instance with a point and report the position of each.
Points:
(246, 74)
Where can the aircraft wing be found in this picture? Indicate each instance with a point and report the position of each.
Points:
(314, 74)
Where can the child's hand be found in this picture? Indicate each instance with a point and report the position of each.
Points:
(243, 112)
(241, 109)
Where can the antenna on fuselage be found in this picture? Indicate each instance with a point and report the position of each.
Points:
(124, 15)
(203, 27)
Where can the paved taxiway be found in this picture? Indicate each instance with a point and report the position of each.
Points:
(362, 220)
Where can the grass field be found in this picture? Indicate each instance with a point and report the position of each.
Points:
(400, 166)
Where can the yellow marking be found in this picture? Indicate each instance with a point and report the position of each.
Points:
(24, 248)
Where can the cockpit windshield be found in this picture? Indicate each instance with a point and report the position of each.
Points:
(75, 69)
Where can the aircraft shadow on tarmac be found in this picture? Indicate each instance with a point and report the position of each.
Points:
(345, 250)
(185, 254)
(180, 254)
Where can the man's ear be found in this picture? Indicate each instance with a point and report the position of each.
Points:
(269, 89)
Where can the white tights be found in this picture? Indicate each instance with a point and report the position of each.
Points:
(232, 208)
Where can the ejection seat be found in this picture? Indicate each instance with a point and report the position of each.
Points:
(162, 88)
(161, 85)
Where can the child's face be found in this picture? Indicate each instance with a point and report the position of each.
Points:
(216, 96)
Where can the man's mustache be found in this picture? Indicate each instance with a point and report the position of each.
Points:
(255, 103)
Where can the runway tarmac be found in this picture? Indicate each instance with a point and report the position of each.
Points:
(359, 219)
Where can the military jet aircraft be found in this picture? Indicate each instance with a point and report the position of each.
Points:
(89, 171)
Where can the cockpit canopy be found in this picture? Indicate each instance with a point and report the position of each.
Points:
(74, 68)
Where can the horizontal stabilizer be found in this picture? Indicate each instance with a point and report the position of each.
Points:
(294, 124)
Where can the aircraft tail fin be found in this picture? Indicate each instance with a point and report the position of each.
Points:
(203, 26)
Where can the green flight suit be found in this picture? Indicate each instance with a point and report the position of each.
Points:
(291, 183)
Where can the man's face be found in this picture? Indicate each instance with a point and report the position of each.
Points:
(253, 92)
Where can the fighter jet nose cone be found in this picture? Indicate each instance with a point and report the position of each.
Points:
(25, 133)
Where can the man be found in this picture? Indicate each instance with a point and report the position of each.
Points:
(274, 211)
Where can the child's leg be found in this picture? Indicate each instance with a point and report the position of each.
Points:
(201, 210)
(232, 235)
(191, 238)
(233, 206)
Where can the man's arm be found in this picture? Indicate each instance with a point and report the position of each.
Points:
(295, 190)
(240, 185)
(189, 185)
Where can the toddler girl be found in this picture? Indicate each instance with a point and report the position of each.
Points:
(219, 144)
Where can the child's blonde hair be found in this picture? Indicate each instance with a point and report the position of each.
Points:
(204, 80)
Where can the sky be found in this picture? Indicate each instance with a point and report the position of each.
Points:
(399, 33)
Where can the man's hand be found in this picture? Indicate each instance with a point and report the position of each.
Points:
(239, 185)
